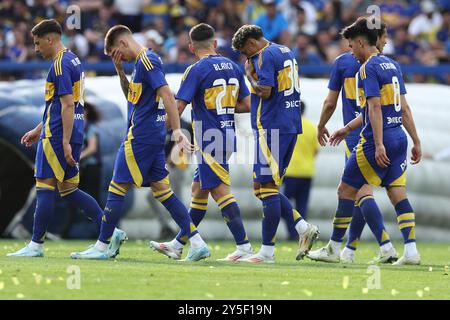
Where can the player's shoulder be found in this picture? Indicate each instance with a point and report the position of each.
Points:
(65, 60)
(346, 59)
(148, 59)
(370, 65)
(192, 70)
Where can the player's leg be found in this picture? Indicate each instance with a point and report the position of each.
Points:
(232, 216)
(49, 164)
(45, 204)
(368, 209)
(164, 194)
(197, 211)
(291, 191)
(407, 224)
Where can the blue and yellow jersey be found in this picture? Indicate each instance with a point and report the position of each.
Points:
(146, 115)
(65, 76)
(275, 66)
(381, 77)
(343, 77)
(213, 86)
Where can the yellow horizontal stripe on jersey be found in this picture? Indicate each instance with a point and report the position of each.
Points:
(76, 91)
(44, 186)
(350, 88)
(366, 169)
(270, 160)
(228, 100)
(134, 92)
(49, 90)
(387, 94)
(48, 132)
(52, 160)
(284, 80)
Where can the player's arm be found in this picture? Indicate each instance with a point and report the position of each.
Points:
(376, 120)
(262, 91)
(67, 112)
(173, 117)
(243, 105)
(32, 136)
(410, 126)
(117, 60)
(342, 133)
(328, 108)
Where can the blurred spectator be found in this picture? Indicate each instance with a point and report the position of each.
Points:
(426, 24)
(273, 23)
(309, 27)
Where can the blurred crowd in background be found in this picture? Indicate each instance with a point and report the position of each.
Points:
(419, 30)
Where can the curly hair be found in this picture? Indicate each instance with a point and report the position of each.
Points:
(246, 32)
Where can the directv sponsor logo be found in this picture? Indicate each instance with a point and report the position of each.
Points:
(391, 120)
(226, 123)
(161, 117)
(78, 116)
(293, 104)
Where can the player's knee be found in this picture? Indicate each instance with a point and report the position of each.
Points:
(366, 190)
(396, 194)
(345, 191)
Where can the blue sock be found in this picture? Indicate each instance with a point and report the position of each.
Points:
(272, 214)
(45, 205)
(232, 216)
(85, 202)
(374, 219)
(342, 219)
(291, 216)
(178, 212)
(406, 220)
(112, 212)
(356, 228)
(197, 212)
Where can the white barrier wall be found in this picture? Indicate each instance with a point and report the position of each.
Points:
(428, 182)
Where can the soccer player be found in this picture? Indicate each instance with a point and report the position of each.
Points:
(141, 159)
(275, 115)
(216, 89)
(380, 156)
(343, 75)
(60, 136)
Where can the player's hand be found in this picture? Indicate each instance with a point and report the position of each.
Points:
(68, 155)
(339, 135)
(249, 69)
(30, 137)
(416, 154)
(322, 136)
(182, 141)
(381, 157)
(116, 57)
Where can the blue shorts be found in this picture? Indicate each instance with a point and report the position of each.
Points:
(350, 145)
(212, 171)
(361, 168)
(140, 164)
(51, 163)
(272, 157)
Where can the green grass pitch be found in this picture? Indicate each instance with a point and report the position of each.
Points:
(139, 273)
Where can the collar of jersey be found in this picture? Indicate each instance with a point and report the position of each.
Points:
(259, 51)
(59, 52)
(140, 52)
(209, 55)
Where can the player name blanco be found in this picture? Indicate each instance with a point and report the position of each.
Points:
(223, 66)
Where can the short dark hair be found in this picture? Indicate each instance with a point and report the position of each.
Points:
(112, 35)
(361, 28)
(201, 32)
(244, 33)
(45, 27)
